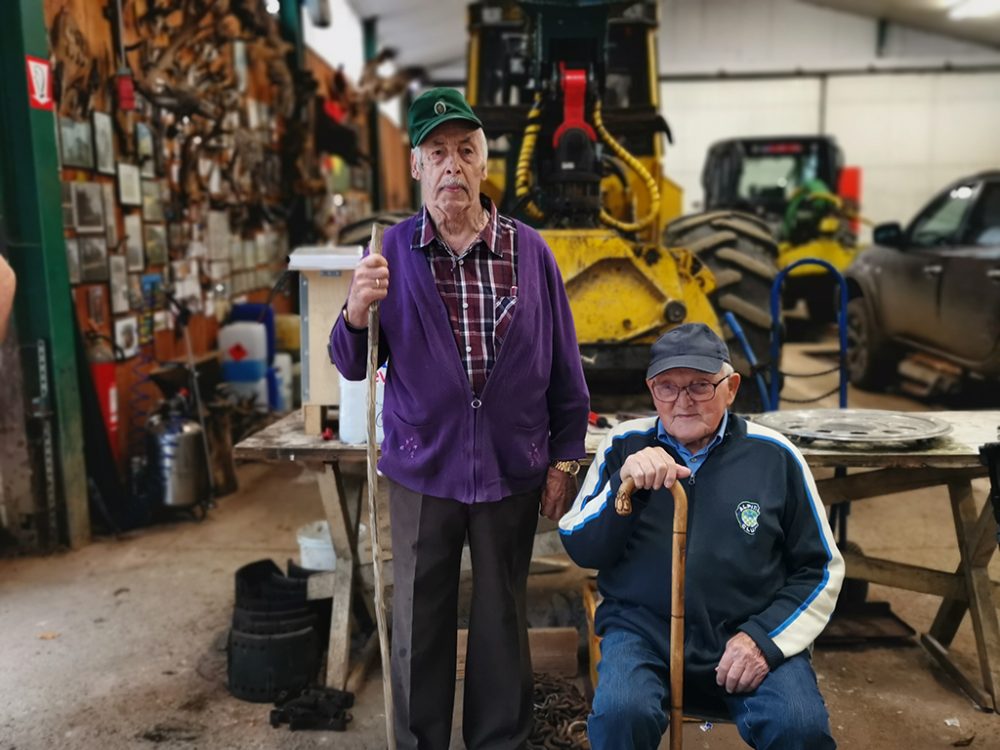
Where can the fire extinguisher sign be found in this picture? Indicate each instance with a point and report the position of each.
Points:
(39, 82)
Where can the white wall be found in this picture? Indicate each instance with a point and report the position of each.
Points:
(910, 133)
(739, 36)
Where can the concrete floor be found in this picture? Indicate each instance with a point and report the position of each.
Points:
(121, 644)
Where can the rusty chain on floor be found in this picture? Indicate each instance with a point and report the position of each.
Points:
(560, 715)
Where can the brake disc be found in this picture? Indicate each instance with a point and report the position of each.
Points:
(855, 425)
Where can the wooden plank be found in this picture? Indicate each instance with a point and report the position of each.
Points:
(332, 492)
(940, 655)
(981, 602)
(312, 419)
(905, 576)
(362, 664)
(950, 613)
(553, 650)
(340, 628)
(286, 440)
(868, 484)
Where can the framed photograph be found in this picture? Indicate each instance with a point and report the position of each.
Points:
(135, 295)
(155, 236)
(127, 335)
(88, 207)
(110, 214)
(152, 201)
(73, 259)
(144, 149)
(134, 243)
(104, 143)
(67, 205)
(119, 284)
(77, 143)
(93, 257)
(129, 185)
(96, 304)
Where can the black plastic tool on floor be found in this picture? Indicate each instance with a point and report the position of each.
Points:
(313, 708)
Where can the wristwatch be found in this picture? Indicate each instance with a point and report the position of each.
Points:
(571, 467)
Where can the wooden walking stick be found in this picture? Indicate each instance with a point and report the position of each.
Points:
(375, 248)
(623, 506)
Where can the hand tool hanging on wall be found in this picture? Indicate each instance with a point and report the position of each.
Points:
(623, 506)
(124, 85)
(375, 248)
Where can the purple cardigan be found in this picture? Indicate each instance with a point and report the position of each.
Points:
(439, 439)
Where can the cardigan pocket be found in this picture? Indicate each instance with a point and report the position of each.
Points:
(529, 454)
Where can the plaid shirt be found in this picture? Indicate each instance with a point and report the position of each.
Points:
(478, 288)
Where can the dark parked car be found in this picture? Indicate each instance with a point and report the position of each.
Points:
(933, 287)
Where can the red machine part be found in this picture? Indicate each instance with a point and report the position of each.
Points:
(574, 85)
(849, 190)
(103, 372)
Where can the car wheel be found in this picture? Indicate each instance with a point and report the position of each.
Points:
(870, 359)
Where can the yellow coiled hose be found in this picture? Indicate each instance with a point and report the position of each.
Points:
(522, 175)
(638, 168)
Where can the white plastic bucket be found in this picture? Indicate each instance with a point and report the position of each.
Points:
(316, 547)
(354, 408)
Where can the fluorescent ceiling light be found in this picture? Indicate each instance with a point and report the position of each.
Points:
(963, 9)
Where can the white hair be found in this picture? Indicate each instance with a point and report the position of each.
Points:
(418, 154)
(727, 370)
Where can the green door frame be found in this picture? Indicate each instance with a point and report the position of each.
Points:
(30, 201)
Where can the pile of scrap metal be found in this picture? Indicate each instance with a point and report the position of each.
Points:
(560, 715)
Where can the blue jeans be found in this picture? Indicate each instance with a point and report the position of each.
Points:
(631, 706)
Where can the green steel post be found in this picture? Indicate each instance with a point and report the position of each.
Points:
(31, 195)
(368, 27)
(290, 20)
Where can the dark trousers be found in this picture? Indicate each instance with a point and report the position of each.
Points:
(427, 538)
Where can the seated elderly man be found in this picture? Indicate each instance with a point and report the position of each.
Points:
(763, 571)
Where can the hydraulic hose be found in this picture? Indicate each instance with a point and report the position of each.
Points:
(522, 175)
(638, 168)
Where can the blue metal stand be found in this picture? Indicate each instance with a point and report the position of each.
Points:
(779, 280)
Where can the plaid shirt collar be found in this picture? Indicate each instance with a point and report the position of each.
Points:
(425, 232)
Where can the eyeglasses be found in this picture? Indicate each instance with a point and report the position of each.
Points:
(700, 390)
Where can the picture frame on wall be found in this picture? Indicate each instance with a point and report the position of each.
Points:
(152, 201)
(73, 259)
(136, 258)
(110, 214)
(76, 139)
(88, 207)
(67, 205)
(104, 143)
(135, 295)
(155, 237)
(144, 149)
(93, 257)
(129, 185)
(96, 305)
(127, 335)
(119, 284)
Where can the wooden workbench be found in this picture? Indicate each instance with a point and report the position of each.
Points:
(952, 460)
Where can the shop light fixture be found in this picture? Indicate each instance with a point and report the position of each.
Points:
(966, 9)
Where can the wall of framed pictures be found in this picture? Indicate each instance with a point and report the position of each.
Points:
(187, 192)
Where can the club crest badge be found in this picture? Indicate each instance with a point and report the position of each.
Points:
(748, 514)
(440, 107)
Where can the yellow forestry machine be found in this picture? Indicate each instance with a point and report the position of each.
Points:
(568, 93)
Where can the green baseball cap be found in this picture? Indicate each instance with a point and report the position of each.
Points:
(434, 107)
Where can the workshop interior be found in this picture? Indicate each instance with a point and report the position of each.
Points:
(195, 541)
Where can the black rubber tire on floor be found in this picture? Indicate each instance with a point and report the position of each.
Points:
(871, 361)
(737, 248)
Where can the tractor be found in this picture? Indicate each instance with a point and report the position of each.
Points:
(788, 183)
(568, 93)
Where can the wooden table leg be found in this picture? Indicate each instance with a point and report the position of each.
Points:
(331, 490)
(976, 550)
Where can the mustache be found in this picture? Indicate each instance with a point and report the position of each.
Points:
(454, 182)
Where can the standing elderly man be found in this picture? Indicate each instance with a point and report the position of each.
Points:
(763, 572)
(485, 416)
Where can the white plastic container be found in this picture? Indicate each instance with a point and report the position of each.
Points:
(354, 408)
(244, 351)
(316, 547)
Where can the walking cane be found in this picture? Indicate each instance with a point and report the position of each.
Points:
(375, 248)
(623, 506)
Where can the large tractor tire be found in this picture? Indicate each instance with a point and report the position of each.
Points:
(741, 253)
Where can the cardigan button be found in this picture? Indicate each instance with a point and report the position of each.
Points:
(476, 403)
